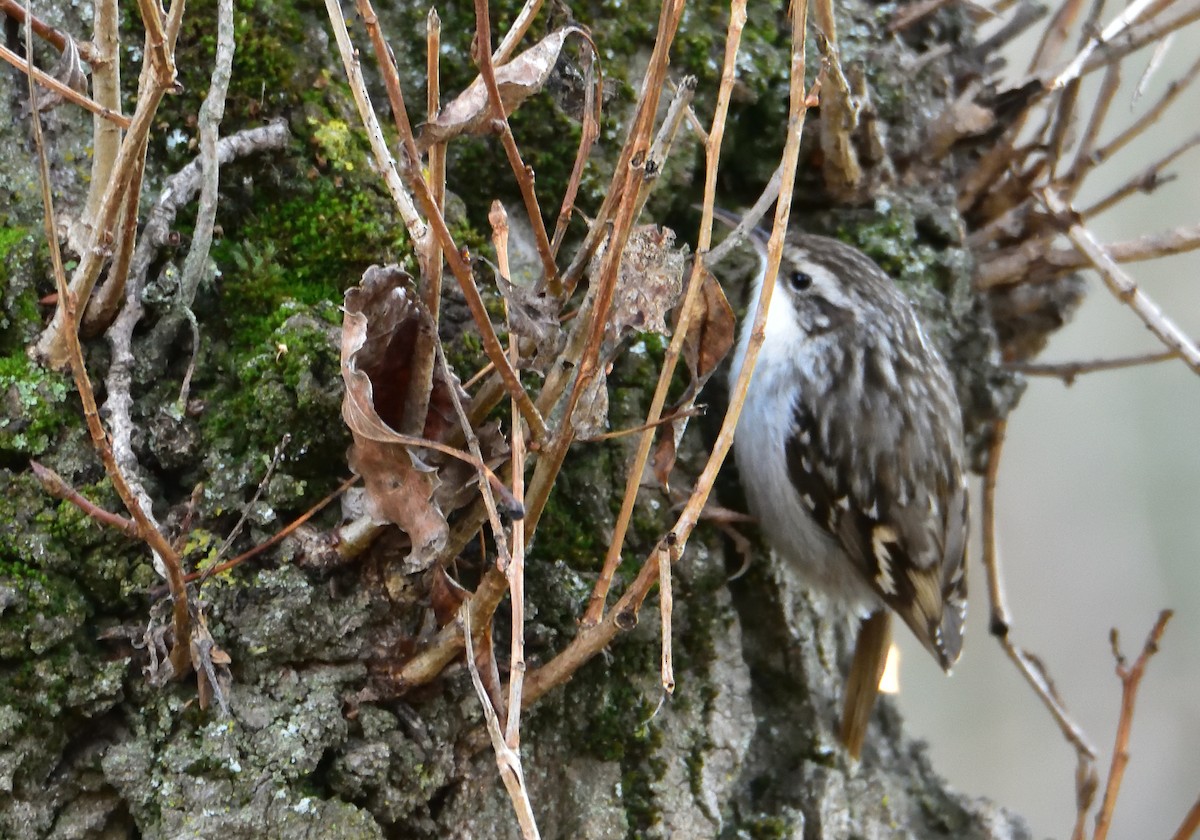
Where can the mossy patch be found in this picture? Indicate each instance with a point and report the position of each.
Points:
(289, 385)
(37, 403)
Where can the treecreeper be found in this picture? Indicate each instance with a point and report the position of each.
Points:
(850, 451)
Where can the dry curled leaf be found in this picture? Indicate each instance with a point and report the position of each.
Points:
(710, 333)
(446, 595)
(525, 75)
(383, 319)
(649, 282)
(709, 337)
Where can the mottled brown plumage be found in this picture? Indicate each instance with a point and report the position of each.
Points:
(850, 450)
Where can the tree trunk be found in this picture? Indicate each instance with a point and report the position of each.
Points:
(319, 741)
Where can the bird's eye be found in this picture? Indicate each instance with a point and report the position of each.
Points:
(801, 280)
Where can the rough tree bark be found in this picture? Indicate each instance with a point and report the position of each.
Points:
(88, 748)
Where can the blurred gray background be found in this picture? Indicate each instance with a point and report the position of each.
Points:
(1098, 527)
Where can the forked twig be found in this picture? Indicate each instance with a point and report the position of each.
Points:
(633, 475)
(1029, 666)
(67, 307)
(507, 758)
(591, 639)
(1131, 680)
(1123, 286)
(523, 173)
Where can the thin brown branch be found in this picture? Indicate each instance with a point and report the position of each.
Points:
(516, 32)
(1086, 157)
(47, 81)
(432, 291)
(1124, 287)
(1034, 260)
(56, 486)
(633, 475)
(277, 538)
(523, 173)
(1190, 824)
(1069, 371)
(67, 307)
(589, 132)
(1054, 35)
(1147, 181)
(1029, 666)
(1131, 680)
(1150, 117)
(670, 418)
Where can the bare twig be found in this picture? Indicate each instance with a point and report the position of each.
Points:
(1146, 181)
(249, 506)
(1069, 371)
(523, 173)
(589, 131)
(1029, 666)
(147, 530)
(633, 475)
(1191, 823)
(432, 291)
(516, 32)
(507, 758)
(56, 486)
(666, 606)
(1131, 679)
(1034, 259)
(279, 537)
(46, 80)
(516, 567)
(1123, 286)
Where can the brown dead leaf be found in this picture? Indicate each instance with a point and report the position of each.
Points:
(382, 321)
(663, 459)
(649, 282)
(470, 112)
(446, 595)
(711, 332)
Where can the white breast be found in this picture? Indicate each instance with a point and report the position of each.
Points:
(760, 450)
